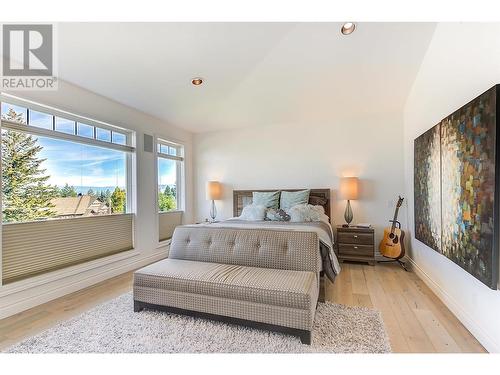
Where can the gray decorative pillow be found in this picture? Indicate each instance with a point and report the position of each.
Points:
(293, 198)
(253, 212)
(277, 215)
(267, 199)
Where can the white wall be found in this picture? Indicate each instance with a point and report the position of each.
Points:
(307, 155)
(74, 99)
(463, 60)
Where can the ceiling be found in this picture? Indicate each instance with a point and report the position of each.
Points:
(255, 73)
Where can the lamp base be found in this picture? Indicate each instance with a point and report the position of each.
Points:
(348, 213)
(213, 211)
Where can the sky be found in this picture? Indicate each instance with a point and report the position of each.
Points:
(84, 165)
(166, 172)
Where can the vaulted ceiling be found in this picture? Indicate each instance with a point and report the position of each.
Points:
(255, 73)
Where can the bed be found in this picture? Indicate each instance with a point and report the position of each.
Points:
(265, 275)
(317, 197)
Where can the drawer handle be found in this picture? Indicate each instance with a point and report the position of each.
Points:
(355, 236)
(355, 247)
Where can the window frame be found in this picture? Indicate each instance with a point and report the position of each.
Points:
(130, 135)
(180, 171)
(129, 149)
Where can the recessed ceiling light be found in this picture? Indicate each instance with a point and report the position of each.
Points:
(197, 81)
(348, 28)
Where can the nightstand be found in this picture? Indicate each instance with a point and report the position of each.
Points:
(356, 244)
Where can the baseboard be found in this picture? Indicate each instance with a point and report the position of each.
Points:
(489, 343)
(60, 288)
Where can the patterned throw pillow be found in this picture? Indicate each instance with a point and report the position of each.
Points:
(307, 212)
(267, 199)
(277, 215)
(253, 212)
(292, 198)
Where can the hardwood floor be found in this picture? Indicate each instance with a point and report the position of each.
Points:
(415, 319)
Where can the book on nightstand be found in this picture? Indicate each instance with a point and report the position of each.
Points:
(363, 225)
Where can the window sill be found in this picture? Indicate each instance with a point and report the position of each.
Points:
(19, 286)
(170, 212)
(52, 220)
(164, 243)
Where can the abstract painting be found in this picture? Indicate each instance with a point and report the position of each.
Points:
(455, 184)
(427, 177)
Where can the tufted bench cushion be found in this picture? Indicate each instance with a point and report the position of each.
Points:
(289, 250)
(260, 285)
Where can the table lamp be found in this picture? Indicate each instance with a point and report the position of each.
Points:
(214, 192)
(349, 191)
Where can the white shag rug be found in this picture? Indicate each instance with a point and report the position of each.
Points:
(113, 327)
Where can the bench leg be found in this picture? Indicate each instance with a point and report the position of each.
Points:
(138, 306)
(305, 337)
(322, 289)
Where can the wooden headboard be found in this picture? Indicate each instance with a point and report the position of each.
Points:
(241, 198)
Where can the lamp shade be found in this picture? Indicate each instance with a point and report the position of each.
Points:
(214, 190)
(349, 188)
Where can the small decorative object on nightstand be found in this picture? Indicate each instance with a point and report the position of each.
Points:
(356, 244)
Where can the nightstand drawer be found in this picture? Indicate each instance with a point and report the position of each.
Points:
(355, 238)
(360, 250)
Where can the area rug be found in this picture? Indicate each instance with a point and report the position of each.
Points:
(113, 327)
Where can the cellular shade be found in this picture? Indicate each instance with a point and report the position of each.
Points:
(34, 248)
(167, 223)
(349, 188)
(214, 190)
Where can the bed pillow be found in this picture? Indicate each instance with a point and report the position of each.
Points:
(292, 198)
(253, 212)
(307, 212)
(277, 215)
(317, 201)
(269, 199)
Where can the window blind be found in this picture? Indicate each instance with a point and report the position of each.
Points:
(167, 223)
(34, 248)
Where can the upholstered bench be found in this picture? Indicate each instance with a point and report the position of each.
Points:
(200, 278)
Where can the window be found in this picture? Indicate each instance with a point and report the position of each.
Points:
(85, 130)
(118, 138)
(40, 119)
(18, 114)
(65, 189)
(56, 167)
(65, 126)
(103, 135)
(170, 175)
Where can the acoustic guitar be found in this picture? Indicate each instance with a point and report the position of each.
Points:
(392, 245)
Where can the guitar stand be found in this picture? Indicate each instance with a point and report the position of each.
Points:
(401, 263)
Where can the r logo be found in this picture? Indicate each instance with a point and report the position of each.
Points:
(27, 50)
